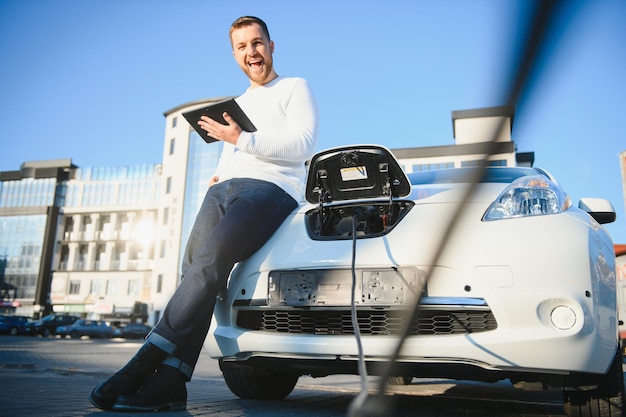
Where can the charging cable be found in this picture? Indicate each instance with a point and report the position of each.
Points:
(357, 404)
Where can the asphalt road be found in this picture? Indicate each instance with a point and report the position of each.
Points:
(53, 377)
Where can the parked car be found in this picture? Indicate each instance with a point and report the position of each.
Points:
(132, 331)
(13, 325)
(521, 287)
(48, 325)
(91, 328)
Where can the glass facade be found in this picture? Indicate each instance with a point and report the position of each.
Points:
(20, 257)
(25, 198)
(27, 192)
(113, 186)
(201, 164)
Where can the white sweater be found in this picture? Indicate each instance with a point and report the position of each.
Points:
(285, 115)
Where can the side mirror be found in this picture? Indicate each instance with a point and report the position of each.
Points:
(599, 208)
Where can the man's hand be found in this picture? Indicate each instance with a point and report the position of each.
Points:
(226, 133)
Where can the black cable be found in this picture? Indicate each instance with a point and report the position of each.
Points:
(360, 399)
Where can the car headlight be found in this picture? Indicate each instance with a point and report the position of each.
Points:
(528, 196)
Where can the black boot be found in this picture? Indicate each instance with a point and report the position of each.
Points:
(164, 390)
(128, 379)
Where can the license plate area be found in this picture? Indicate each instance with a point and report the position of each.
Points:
(392, 286)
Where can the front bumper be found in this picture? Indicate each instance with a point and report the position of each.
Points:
(522, 282)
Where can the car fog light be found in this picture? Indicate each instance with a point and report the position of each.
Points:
(563, 317)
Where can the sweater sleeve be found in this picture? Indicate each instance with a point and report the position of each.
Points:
(297, 141)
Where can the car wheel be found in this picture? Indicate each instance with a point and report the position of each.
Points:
(249, 382)
(607, 400)
(74, 335)
(13, 331)
(399, 380)
(46, 332)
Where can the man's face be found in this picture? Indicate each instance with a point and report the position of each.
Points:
(253, 52)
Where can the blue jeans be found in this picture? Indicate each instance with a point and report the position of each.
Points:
(237, 217)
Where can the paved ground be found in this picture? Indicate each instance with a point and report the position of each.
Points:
(53, 377)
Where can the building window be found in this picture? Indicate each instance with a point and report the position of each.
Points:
(468, 164)
(162, 253)
(159, 286)
(430, 167)
(172, 145)
(85, 223)
(65, 256)
(104, 225)
(498, 163)
(116, 256)
(80, 264)
(494, 163)
(74, 287)
(168, 185)
(96, 287)
(133, 287)
(174, 121)
(111, 287)
(99, 261)
(166, 215)
(69, 226)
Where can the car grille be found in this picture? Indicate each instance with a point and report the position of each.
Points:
(371, 322)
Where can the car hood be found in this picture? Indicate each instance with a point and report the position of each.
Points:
(456, 193)
(484, 194)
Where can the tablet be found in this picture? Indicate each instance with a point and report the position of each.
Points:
(215, 111)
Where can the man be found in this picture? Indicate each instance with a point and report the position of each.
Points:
(258, 182)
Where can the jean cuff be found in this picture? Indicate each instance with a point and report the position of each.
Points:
(161, 342)
(180, 365)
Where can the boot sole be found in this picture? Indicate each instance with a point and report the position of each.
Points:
(102, 405)
(171, 406)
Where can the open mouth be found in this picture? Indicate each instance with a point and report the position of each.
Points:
(255, 65)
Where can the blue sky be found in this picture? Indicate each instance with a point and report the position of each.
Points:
(90, 80)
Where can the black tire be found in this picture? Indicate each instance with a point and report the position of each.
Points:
(46, 332)
(13, 331)
(607, 400)
(399, 380)
(251, 383)
(74, 335)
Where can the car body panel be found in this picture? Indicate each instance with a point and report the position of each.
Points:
(49, 324)
(132, 331)
(91, 328)
(523, 269)
(13, 325)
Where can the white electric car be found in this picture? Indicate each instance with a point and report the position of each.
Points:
(502, 279)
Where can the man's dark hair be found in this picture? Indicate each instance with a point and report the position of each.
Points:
(247, 21)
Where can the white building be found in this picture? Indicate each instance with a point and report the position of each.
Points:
(104, 256)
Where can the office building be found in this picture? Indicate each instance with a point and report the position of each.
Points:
(30, 201)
